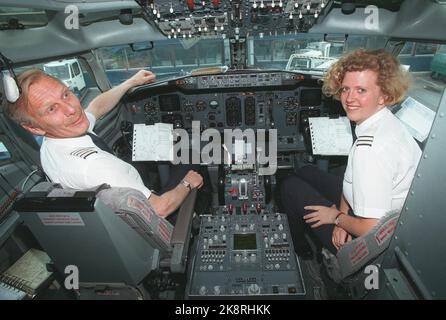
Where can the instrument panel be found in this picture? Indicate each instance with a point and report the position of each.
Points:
(247, 255)
(234, 18)
(261, 100)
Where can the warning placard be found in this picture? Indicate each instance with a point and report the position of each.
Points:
(61, 219)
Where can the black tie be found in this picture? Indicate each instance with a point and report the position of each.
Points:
(100, 143)
(353, 126)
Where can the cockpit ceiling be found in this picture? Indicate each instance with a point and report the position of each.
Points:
(99, 24)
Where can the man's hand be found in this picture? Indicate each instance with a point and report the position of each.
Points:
(194, 178)
(340, 237)
(321, 215)
(140, 78)
(106, 101)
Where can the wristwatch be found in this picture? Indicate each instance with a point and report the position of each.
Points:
(336, 221)
(186, 184)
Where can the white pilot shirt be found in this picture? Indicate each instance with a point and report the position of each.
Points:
(381, 166)
(79, 164)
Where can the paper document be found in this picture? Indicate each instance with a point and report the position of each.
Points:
(152, 143)
(26, 274)
(10, 293)
(330, 137)
(416, 117)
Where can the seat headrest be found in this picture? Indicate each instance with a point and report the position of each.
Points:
(136, 210)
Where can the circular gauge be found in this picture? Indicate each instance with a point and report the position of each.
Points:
(188, 106)
(150, 108)
(213, 104)
(200, 105)
(290, 101)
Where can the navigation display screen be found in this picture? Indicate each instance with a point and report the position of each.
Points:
(169, 103)
(246, 241)
(310, 97)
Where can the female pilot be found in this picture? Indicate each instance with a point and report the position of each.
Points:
(381, 162)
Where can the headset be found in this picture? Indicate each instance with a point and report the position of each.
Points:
(10, 84)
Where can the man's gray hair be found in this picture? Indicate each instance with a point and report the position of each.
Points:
(18, 111)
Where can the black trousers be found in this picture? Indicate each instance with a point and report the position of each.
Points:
(310, 186)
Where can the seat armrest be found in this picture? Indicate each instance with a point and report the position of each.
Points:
(181, 234)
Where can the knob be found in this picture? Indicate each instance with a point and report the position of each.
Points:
(258, 208)
(234, 193)
(244, 207)
(254, 288)
(202, 291)
(190, 4)
(230, 208)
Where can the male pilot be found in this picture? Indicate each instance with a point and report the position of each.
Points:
(71, 154)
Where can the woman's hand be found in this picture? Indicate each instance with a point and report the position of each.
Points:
(321, 215)
(340, 237)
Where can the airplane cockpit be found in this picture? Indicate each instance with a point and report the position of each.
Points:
(238, 92)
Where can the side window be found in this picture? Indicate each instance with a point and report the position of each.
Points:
(76, 69)
(438, 65)
(418, 56)
(426, 48)
(4, 153)
(407, 49)
(71, 73)
(427, 64)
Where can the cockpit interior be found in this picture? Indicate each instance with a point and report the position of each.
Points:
(248, 73)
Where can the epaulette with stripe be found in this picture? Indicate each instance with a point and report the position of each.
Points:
(364, 141)
(83, 153)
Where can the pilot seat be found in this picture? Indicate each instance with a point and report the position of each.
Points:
(111, 236)
(358, 258)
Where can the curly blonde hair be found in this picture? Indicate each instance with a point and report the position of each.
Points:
(391, 78)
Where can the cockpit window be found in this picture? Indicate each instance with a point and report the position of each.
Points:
(173, 58)
(4, 153)
(167, 59)
(62, 72)
(307, 53)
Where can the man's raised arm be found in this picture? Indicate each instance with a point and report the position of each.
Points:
(108, 100)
